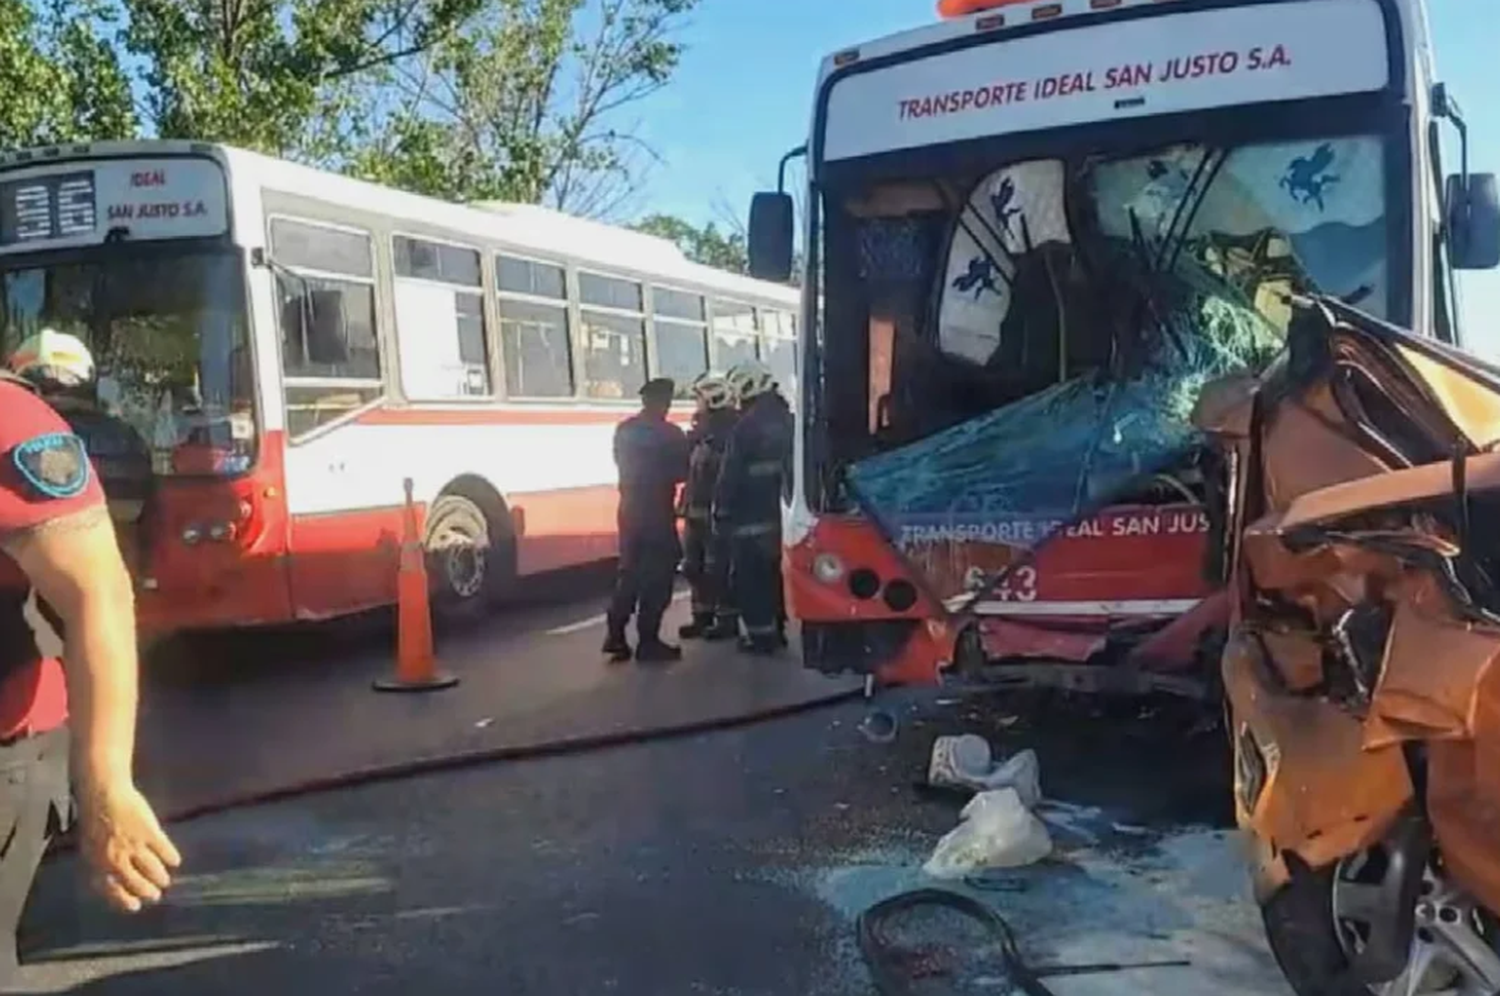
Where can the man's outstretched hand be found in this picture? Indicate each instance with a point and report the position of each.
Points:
(130, 856)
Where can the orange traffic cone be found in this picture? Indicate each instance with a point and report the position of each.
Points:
(416, 664)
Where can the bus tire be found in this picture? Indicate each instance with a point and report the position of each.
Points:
(467, 568)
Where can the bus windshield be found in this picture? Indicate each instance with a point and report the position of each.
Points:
(1064, 313)
(170, 342)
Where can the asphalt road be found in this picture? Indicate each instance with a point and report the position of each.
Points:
(727, 864)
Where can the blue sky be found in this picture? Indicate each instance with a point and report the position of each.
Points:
(743, 97)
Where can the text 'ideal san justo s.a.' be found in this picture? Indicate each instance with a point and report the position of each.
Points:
(152, 185)
(1125, 76)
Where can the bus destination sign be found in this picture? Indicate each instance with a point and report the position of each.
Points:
(47, 207)
(1168, 63)
(77, 203)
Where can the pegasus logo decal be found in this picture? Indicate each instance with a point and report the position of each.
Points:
(979, 277)
(1000, 199)
(1307, 178)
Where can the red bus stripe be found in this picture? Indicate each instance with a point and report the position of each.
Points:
(501, 416)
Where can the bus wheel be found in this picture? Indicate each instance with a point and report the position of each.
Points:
(461, 566)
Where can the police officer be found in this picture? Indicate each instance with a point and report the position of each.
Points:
(705, 559)
(747, 503)
(652, 456)
(65, 596)
(61, 369)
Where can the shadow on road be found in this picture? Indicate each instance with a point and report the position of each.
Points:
(233, 657)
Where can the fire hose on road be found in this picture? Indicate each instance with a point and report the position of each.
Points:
(458, 760)
(896, 972)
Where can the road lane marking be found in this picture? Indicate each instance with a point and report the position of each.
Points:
(592, 621)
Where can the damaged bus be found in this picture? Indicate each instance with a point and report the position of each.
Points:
(1034, 231)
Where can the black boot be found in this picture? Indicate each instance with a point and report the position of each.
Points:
(653, 651)
(699, 627)
(616, 648)
(760, 646)
(724, 628)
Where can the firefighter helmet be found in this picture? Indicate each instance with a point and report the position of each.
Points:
(713, 391)
(750, 379)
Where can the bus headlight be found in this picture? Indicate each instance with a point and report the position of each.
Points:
(827, 568)
(191, 535)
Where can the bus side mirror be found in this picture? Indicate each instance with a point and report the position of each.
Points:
(771, 229)
(1473, 221)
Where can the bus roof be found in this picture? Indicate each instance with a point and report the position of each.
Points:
(1011, 15)
(525, 228)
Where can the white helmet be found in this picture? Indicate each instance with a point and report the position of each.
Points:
(750, 379)
(53, 359)
(713, 392)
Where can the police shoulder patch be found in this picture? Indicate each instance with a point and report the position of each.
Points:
(56, 464)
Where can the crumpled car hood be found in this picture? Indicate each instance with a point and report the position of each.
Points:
(1365, 588)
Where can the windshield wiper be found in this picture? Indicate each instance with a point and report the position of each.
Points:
(1175, 239)
(1148, 286)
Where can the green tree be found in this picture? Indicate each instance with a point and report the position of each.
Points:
(268, 74)
(706, 245)
(525, 104)
(61, 79)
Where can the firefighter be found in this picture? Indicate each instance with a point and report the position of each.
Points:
(705, 561)
(67, 625)
(652, 456)
(747, 504)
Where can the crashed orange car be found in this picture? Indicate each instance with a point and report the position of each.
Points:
(1361, 677)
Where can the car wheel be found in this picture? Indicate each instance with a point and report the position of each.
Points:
(1314, 926)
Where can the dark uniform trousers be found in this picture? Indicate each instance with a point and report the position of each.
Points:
(705, 564)
(35, 806)
(706, 551)
(748, 500)
(757, 581)
(643, 586)
(35, 792)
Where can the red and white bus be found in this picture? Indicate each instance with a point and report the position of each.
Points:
(291, 344)
(1035, 230)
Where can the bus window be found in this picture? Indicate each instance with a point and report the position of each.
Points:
(681, 336)
(325, 291)
(614, 336)
(534, 328)
(734, 334)
(781, 351)
(443, 344)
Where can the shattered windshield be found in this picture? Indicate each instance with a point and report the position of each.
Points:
(1264, 220)
(170, 344)
(1051, 322)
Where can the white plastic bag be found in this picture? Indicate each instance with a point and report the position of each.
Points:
(1022, 772)
(966, 761)
(997, 831)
